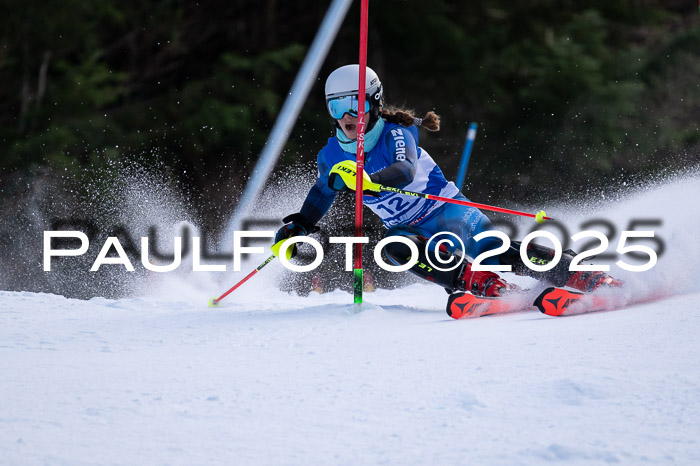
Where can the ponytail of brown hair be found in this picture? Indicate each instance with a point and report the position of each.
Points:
(431, 120)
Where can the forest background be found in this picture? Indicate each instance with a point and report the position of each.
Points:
(563, 90)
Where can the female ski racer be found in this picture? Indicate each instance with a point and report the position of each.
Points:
(394, 158)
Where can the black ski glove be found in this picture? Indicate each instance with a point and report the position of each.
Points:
(296, 225)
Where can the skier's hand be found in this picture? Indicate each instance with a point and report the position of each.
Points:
(296, 225)
(342, 176)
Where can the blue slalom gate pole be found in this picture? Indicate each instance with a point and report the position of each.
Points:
(471, 135)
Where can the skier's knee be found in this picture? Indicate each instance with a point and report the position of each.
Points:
(399, 253)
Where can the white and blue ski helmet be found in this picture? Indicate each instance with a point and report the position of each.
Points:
(344, 82)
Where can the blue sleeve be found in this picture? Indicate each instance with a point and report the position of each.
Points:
(320, 197)
(403, 152)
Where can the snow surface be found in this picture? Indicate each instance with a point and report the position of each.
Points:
(273, 378)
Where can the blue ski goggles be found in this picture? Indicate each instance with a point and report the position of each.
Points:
(339, 106)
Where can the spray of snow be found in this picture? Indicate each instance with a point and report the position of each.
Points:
(667, 201)
(146, 204)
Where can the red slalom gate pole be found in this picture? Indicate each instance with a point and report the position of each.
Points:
(215, 301)
(358, 274)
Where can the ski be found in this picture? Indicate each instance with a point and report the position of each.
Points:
(556, 301)
(464, 305)
(562, 302)
(552, 301)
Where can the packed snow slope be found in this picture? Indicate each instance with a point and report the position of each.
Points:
(299, 381)
(273, 378)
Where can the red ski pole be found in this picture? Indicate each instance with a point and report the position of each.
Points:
(540, 216)
(213, 302)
